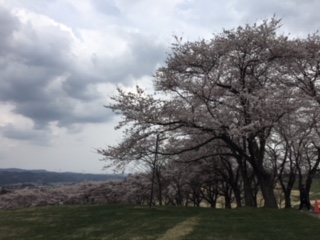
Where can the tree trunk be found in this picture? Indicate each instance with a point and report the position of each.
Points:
(158, 175)
(266, 182)
(237, 195)
(213, 204)
(231, 177)
(287, 200)
(246, 183)
(248, 194)
(227, 200)
(287, 191)
(152, 187)
(154, 165)
(266, 186)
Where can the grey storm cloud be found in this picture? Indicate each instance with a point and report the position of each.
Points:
(37, 136)
(32, 60)
(298, 17)
(8, 25)
(141, 58)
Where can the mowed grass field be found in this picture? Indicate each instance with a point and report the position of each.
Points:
(116, 222)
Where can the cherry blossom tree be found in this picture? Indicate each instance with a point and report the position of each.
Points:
(234, 88)
(139, 150)
(303, 75)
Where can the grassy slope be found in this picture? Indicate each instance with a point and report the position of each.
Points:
(136, 223)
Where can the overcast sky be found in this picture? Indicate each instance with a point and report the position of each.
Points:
(61, 60)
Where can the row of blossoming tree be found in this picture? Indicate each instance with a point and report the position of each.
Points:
(178, 188)
(244, 104)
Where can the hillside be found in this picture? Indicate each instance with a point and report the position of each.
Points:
(14, 176)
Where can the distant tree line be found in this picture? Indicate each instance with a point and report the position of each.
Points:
(19, 178)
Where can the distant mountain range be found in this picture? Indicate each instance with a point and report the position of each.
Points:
(16, 176)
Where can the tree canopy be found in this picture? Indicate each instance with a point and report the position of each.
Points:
(241, 94)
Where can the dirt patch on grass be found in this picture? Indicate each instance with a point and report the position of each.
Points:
(180, 230)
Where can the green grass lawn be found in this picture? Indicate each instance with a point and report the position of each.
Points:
(137, 223)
